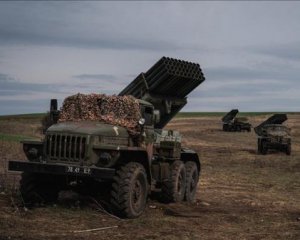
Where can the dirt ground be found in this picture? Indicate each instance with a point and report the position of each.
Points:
(241, 195)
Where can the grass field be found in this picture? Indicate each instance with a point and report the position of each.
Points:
(241, 195)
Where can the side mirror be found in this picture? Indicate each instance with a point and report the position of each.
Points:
(156, 115)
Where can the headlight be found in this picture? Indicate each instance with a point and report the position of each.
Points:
(108, 159)
(33, 152)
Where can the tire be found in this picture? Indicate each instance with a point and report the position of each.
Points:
(238, 128)
(264, 148)
(249, 129)
(259, 146)
(192, 178)
(173, 190)
(129, 190)
(36, 189)
(288, 149)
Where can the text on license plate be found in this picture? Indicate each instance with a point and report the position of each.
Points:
(78, 170)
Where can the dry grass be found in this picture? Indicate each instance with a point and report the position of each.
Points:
(242, 195)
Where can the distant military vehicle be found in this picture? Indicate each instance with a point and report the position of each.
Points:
(231, 123)
(91, 151)
(273, 135)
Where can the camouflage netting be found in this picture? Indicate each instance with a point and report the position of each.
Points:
(117, 110)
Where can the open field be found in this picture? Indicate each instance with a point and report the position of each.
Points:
(242, 195)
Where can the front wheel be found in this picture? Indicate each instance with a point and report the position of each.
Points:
(38, 189)
(288, 149)
(129, 190)
(259, 146)
(264, 148)
(192, 178)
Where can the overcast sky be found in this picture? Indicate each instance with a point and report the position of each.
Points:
(249, 51)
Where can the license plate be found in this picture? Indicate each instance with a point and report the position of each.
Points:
(78, 170)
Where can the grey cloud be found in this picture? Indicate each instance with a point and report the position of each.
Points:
(24, 106)
(58, 24)
(250, 73)
(131, 76)
(9, 92)
(5, 77)
(251, 91)
(95, 76)
(232, 73)
(11, 86)
(289, 51)
(251, 105)
(10, 37)
(248, 85)
(89, 33)
(101, 83)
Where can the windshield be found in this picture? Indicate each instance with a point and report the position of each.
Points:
(277, 130)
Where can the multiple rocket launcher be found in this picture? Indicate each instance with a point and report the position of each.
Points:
(166, 85)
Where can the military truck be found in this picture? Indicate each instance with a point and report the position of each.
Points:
(231, 123)
(86, 152)
(273, 135)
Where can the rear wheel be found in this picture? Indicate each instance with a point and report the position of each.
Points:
(173, 189)
(192, 178)
(129, 190)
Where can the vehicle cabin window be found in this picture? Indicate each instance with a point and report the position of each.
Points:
(148, 115)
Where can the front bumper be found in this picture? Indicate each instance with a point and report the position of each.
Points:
(61, 169)
(277, 145)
